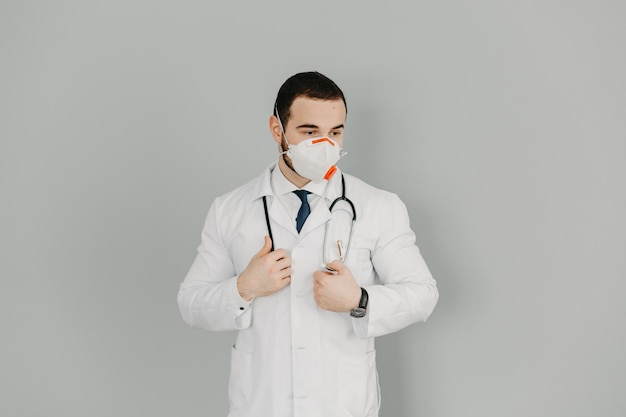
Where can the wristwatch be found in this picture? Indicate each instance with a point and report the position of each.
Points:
(362, 308)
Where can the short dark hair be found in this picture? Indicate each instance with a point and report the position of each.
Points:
(305, 84)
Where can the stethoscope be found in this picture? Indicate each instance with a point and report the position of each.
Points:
(343, 253)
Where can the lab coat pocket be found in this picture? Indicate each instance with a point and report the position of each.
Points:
(361, 266)
(240, 382)
(359, 258)
(359, 393)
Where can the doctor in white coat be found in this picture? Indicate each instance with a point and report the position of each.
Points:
(305, 342)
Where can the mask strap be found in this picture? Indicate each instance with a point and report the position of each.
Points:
(282, 129)
(280, 123)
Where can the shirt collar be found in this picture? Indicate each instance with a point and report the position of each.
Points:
(281, 185)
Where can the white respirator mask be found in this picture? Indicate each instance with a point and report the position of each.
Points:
(314, 158)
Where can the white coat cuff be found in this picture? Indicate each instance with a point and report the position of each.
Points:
(240, 306)
(360, 326)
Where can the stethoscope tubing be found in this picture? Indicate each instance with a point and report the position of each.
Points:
(267, 220)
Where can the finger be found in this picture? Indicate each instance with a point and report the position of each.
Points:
(284, 282)
(337, 266)
(318, 288)
(282, 264)
(319, 277)
(283, 273)
(267, 247)
(278, 254)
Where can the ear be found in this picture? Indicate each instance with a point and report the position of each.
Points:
(275, 129)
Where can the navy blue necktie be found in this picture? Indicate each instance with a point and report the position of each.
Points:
(305, 209)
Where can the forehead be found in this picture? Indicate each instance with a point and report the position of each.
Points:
(317, 112)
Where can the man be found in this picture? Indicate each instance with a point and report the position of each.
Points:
(308, 311)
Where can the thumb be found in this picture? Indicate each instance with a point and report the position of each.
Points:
(267, 248)
(337, 265)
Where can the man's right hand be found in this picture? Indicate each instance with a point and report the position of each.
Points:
(266, 273)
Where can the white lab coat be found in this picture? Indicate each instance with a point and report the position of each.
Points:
(292, 358)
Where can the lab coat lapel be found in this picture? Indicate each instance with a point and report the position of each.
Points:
(280, 216)
(277, 213)
(320, 213)
(319, 216)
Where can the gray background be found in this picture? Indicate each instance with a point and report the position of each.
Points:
(501, 124)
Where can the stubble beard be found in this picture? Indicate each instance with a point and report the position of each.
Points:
(292, 176)
(284, 146)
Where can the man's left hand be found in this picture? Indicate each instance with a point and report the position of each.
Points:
(336, 292)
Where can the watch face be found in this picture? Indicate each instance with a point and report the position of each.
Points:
(357, 312)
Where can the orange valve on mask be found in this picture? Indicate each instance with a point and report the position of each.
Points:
(331, 171)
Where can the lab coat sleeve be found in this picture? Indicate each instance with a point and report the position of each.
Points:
(407, 292)
(208, 297)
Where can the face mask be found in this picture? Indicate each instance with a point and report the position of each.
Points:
(314, 158)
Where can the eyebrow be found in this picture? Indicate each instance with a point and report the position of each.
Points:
(309, 126)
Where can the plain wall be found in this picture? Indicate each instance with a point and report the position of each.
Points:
(501, 124)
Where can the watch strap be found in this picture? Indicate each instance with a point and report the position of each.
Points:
(361, 310)
(364, 298)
